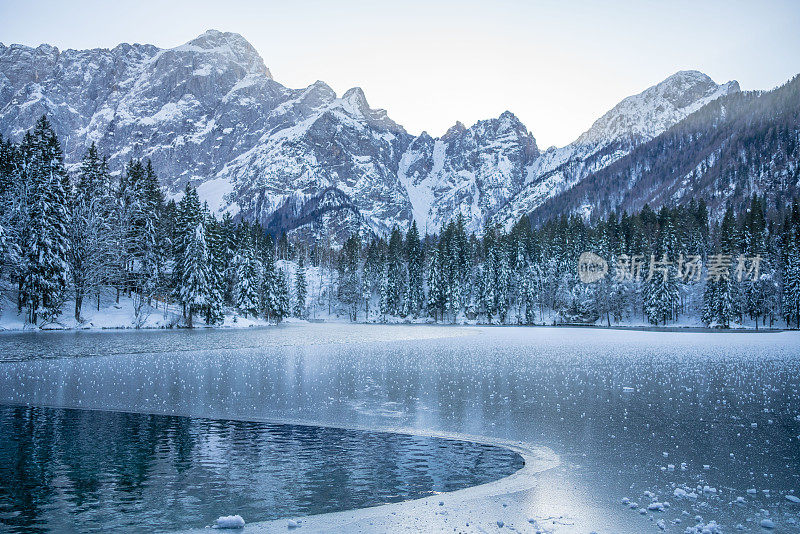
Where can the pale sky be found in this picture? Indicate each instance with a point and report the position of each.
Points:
(557, 65)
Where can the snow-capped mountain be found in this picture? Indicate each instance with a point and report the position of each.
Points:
(635, 120)
(741, 144)
(209, 112)
(306, 160)
(472, 171)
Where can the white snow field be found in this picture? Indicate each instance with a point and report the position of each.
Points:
(622, 431)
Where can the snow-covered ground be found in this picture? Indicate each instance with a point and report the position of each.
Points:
(129, 312)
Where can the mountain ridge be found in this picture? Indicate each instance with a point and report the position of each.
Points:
(209, 112)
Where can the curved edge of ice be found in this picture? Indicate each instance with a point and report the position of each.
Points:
(468, 506)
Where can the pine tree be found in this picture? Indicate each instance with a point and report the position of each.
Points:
(436, 285)
(247, 279)
(488, 280)
(414, 261)
(152, 247)
(503, 281)
(757, 285)
(189, 216)
(281, 296)
(661, 293)
(371, 274)
(44, 267)
(350, 286)
(195, 284)
(709, 313)
(267, 294)
(395, 275)
(791, 269)
(300, 289)
(215, 305)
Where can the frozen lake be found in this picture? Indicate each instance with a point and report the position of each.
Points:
(709, 423)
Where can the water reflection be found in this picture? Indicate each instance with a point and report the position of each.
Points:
(77, 470)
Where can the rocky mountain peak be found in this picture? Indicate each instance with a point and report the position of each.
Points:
(641, 117)
(356, 100)
(455, 130)
(227, 46)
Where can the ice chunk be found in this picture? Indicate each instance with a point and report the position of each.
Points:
(710, 528)
(229, 521)
(793, 498)
(767, 523)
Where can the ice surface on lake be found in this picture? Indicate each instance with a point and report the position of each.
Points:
(610, 403)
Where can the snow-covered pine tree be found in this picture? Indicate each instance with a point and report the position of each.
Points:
(246, 285)
(350, 285)
(503, 280)
(414, 261)
(436, 285)
(215, 306)
(661, 284)
(754, 248)
(395, 274)
(43, 279)
(488, 283)
(384, 298)
(228, 243)
(188, 216)
(267, 295)
(153, 246)
(728, 244)
(371, 274)
(791, 269)
(195, 286)
(300, 289)
(283, 308)
(452, 278)
(519, 275)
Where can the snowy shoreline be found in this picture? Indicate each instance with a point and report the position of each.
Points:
(255, 324)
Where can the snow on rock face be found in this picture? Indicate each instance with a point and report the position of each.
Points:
(635, 120)
(321, 142)
(208, 112)
(472, 171)
(191, 109)
(654, 110)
